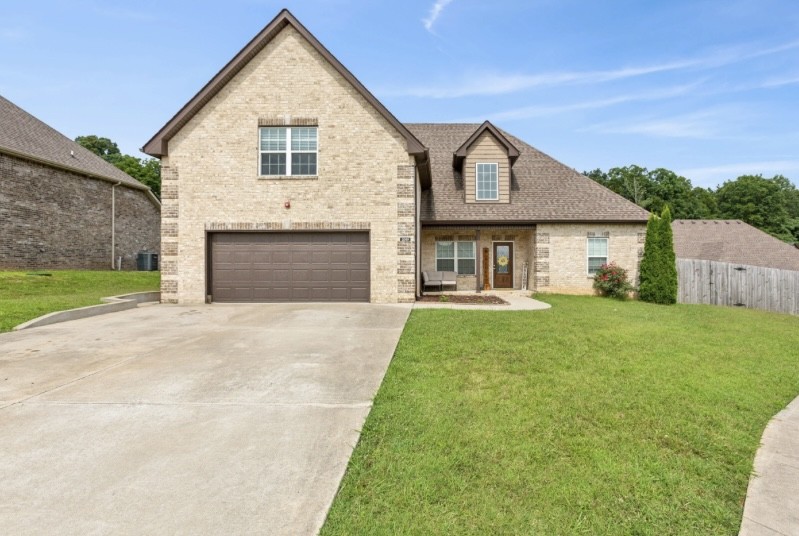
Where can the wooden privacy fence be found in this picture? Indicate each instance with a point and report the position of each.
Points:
(738, 285)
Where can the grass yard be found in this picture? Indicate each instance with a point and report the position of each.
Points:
(26, 295)
(594, 417)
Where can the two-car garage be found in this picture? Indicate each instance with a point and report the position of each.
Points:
(289, 266)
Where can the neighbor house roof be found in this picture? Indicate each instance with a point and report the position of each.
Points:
(158, 144)
(24, 136)
(732, 241)
(542, 189)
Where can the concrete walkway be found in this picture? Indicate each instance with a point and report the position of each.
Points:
(214, 419)
(772, 500)
(518, 300)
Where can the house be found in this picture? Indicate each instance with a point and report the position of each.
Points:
(62, 206)
(732, 241)
(285, 179)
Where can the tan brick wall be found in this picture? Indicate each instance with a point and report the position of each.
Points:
(523, 249)
(561, 257)
(363, 166)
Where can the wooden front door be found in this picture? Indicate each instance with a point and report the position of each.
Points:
(503, 264)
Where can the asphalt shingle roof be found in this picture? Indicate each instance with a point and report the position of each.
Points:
(732, 241)
(542, 189)
(23, 134)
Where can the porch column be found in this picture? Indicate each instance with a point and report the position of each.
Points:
(478, 256)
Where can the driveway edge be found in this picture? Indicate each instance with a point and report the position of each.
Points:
(112, 305)
(772, 498)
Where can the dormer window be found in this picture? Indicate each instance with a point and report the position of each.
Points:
(485, 161)
(487, 176)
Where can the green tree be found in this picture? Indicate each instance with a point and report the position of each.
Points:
(669, 282)
(760, 202)
(630, 182)
(147, 170)
(658, 271)
(102, 147)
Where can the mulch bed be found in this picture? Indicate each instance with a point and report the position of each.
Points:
(468, 299)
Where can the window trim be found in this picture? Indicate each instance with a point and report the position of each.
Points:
(456, 257)
(589, 257)
(288, 151)
(476, 181)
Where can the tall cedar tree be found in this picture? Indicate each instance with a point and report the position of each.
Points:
(648, 271)
(669, 281)
(658, 272)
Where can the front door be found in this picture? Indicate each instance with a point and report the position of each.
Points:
(503, 264)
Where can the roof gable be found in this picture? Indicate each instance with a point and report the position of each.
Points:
(158, 144)
(25, 136)
(460, 154)
(542, 189)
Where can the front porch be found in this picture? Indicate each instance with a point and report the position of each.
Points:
(486, 258)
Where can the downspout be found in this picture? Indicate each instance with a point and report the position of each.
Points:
(113, 222)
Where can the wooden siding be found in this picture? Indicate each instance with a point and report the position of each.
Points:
(754, 287)
(486, 150)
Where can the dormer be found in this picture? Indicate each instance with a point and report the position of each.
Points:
(485, 161)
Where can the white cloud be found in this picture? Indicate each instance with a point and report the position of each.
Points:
(527, 112)
(698, 125)
(490, 84)
(435, 12)
(13, 34)
(705, 176)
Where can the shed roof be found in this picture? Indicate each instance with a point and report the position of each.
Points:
(732, 241)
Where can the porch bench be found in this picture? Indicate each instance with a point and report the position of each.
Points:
(439, 279)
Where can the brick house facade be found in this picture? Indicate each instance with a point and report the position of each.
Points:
(59, 202)
(284, 179)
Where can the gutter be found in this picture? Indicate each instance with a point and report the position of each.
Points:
(83, 172)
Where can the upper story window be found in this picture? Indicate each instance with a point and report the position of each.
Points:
(487, 176)
(597, 254)
(288, 150)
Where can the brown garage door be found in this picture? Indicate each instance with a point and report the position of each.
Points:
(287, 267)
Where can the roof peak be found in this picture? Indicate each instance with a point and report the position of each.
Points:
(158, 144)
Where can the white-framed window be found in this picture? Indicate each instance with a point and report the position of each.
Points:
(487, 177)
(597, 254)
(456, 257)
(288, 150)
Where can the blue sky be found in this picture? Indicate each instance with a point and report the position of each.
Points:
(709, 89)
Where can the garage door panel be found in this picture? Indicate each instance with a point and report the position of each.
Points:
(263, 267)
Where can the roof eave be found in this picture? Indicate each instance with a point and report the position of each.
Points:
(137, 186)
(531, 221)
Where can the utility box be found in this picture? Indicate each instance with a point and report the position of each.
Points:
(146, 261)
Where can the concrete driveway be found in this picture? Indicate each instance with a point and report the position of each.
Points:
(220, 419)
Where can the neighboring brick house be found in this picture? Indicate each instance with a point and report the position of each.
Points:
(284, 179)
(62, 206)
(732, 241)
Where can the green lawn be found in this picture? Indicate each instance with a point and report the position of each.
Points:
(594, 417)
(26, 295)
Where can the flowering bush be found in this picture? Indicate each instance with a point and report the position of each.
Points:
(611, 280)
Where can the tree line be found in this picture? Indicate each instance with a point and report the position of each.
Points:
(145, 170)
(770, 204)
